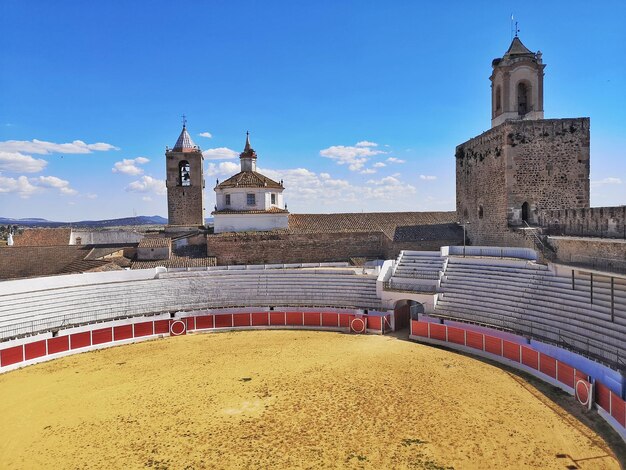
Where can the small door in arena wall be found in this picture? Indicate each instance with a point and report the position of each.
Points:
(404, 311)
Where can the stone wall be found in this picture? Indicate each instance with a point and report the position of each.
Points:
(602, 254)
(539, 165)
(288, 247)
(602, 222)
(185, 204)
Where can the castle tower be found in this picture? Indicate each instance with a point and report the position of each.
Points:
(249, 201)
(185, 183)
(517, 85)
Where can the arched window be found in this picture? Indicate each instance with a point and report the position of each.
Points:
(498, 99)
(184, 173)
(525, 212)
(523, 96)
(480, 212)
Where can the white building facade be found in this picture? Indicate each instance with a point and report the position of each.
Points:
(249, 201)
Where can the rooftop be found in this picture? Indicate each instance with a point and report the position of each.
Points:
(184, 142)
(155, 242)
(43, 237)
(249, 179)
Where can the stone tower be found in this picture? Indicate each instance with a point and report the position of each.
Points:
(517, 85)
(185, 183)
(524, 164)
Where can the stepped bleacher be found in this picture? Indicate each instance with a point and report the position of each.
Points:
(530, 299)
(41, 310)
(417, 270)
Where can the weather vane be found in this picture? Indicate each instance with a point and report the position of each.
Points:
(514, 28)
(184, 120)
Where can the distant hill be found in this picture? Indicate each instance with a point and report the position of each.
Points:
(125, 221)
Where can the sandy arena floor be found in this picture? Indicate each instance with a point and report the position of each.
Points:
(284, 399)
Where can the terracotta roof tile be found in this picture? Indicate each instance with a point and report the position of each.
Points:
(273, 210)
(176, 262)
(155, 242)
(43, 237)
(249, 179)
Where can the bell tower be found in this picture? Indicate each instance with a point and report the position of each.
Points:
(185, 182)
(517, 85)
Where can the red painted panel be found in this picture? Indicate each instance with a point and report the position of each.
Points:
(294, 318)
(312, 318)
(33, 350)
(80, 340)
(241, 319)
(547, 365)
(11, 355)
(374, 323)
(438, 331)
(530, 357)
(224, 320)
(260, 319)
(204, 322)
(511, 350)
(474, 340)
(618, 409)
(581, 375)
(143, 328)
(190, 323)
(58, 344)
(565, 374)
(345, 319)
(122, 332)
(493, 345)
(277, 318)
(104, 335)
(330, 319)
(603, 395)
(456, 335)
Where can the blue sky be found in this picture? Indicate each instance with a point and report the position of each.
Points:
(310, 80)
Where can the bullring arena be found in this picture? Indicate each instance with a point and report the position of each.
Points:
(321, 375)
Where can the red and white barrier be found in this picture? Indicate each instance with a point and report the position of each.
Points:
(610, 406)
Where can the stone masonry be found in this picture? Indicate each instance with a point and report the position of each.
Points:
(509, 174)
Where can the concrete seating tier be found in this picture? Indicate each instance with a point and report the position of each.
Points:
(532, 300)
(419, 265)
(34, 311)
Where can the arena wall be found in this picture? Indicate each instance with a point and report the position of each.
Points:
(587, 390)
(601, 253)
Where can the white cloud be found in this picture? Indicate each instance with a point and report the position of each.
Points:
(368, 171)
(366, 143)
(55, 183)
(146, 198)
(605, 181)
(395, 160)
(428, 177)
(129, 166)
(355, 157)
(15, 161)
(42, 147)
(379, 165)
(220, 153)
(91, 196)
(147, 184)
(385, 181)
(222, 169)
(20, 185)
(208, 135)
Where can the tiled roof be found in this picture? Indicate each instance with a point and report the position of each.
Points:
(177, 262)
(33, 261)
(184, 142)
(386, 222)
(99, 252)
(249, 179)
(272, 210)
(43, 237)
(155, 242)
(517, 48)
(449, 231)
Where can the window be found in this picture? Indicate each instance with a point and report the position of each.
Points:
(79, 240)
(251, 199)
(498, 99)
(273, 198)
(480, 212)
(522, 98)
(227, 199)
(184, 173)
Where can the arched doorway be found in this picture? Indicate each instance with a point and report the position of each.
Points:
(525, 212)
(404, 311)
